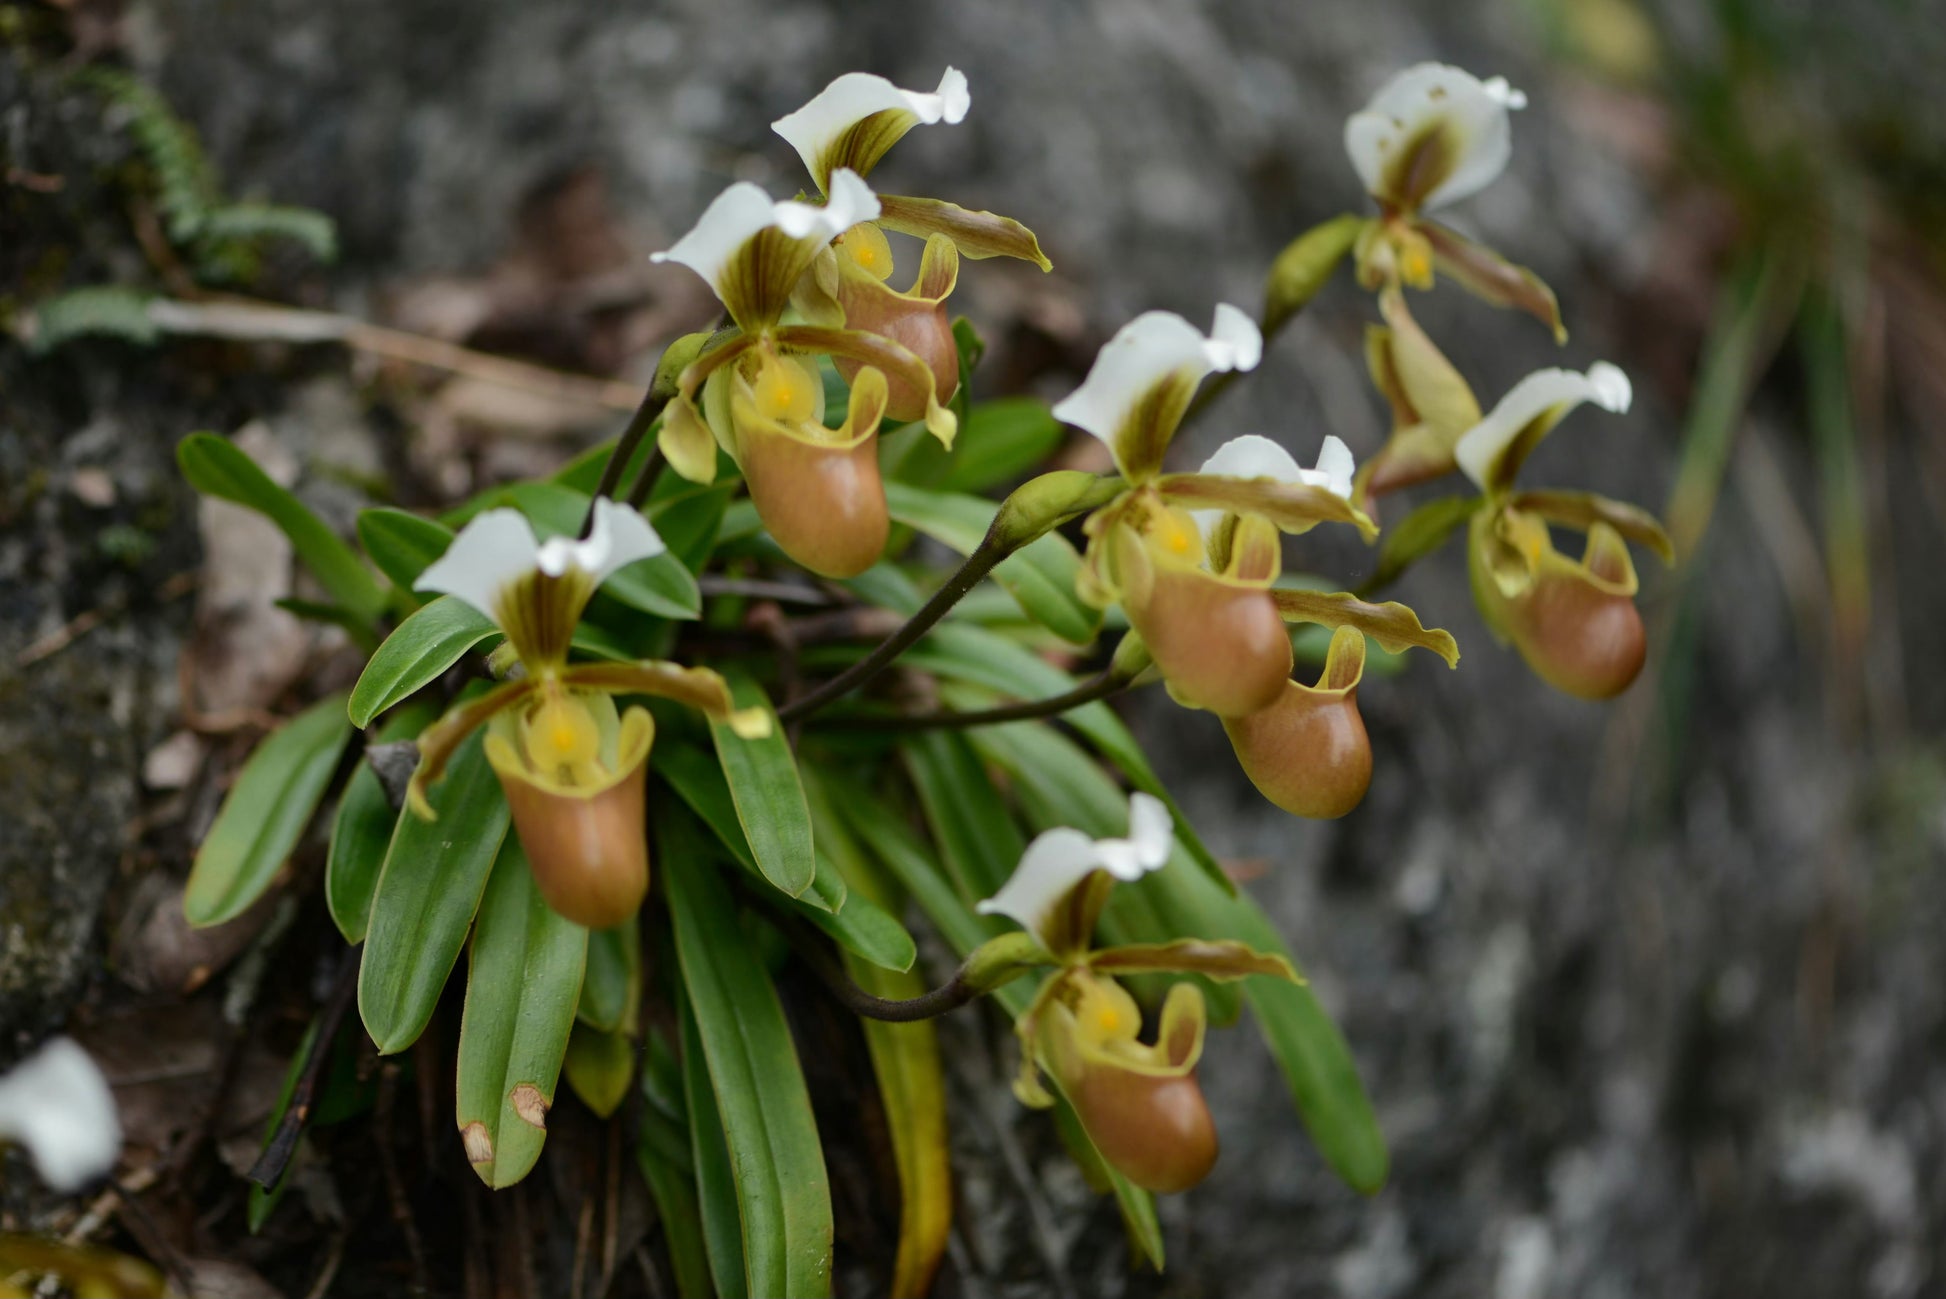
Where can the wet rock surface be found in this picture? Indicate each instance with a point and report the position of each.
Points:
(1650, 998)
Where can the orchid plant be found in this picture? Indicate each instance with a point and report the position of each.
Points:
(676, 649)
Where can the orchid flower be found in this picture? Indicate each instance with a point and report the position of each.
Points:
(1431, 136)
(817, 489)
(572, 767)
(1140, 1102)
(1575, 623)
(57, 1105)
(1191, 557)
(851, 124)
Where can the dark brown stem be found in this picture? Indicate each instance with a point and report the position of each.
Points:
(282, 1145)
(611, 473)
(1103, 684)
(949, 996)
(638, 495)
(978, 564)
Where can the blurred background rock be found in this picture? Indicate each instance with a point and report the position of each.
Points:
(1651, 997)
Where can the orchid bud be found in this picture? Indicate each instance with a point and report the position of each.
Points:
(1308, 752)
(573, 772)
(1220, 642)
(915, 319)
(1140, 1103)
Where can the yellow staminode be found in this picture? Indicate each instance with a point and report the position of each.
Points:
(563, 739)
(866, 247)
(785, 391)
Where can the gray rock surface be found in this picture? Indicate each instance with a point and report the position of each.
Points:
(1644, 1010)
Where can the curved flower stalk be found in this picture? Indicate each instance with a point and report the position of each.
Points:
(817, 489)
(851, 124)
(1192, 557)
(571, 764)
(1139, 1101)
(1575, 622)
(1431, 136)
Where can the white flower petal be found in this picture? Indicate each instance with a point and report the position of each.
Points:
(1255, 456)
(743, 210)
(57, 1104)
(1480, 447)
(1061, 858)
(854, 97)
(1406, 106)
(1146, 351)
(495, 548)
(1054, 863)
(1335, 468)
(619, 537)
(851, 202)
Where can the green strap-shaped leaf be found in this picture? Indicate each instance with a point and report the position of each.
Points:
(265, 813)
(599, 1067)
(1004, 439)
(716, 1184)
(611, 993)
(214, 467)
(754, 1074)
(970, 822)
(417, 653)
(762, 774)
(362, 832)
(858, 924)
(663, 1153)
(403, 545)
(523, 981)
(912, 1085)
(966, 652)
(428, 892)
(1039, 576)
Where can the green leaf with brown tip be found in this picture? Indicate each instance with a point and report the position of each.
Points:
(523, 981)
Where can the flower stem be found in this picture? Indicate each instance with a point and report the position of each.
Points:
(978, 564)
(638, 428)
(1100, 686)
(1035, 508)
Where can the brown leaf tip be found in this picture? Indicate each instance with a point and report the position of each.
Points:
(479, 1146)
(529, 1104)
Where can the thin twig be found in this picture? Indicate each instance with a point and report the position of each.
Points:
(755, 589)
(1100, 686)
(949, 996)
(277, 1151)
(978, 564)
(638, 495)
